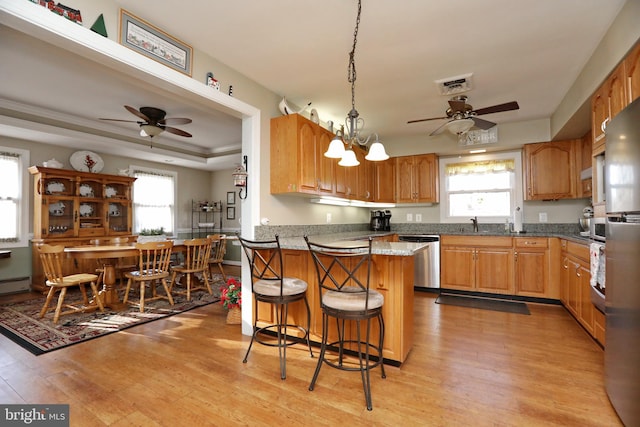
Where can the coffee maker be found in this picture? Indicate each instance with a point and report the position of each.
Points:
(380, 220)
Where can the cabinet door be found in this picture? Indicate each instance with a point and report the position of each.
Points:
(366, 172)
(573, 288)
(385, 179)
(59, 217)
(457, 267)
(632, 72)
(585, 307)
(564, 280)
(325, 166)
(307, 152)
(405, 191)
(425, 178)
(599, 116)
(616, 91)
(551, 170)
(532, 272)
(494, 270)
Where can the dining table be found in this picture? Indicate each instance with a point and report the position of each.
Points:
(107, 255)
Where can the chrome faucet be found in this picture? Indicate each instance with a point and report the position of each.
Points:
(474, 220)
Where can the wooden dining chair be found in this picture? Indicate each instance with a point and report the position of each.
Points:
(51, 257)
(153, 266)
(196, 260)
(218, 250)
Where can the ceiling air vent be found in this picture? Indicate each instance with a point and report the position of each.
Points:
(455, 85)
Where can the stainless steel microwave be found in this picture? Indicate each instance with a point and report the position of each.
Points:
(597, 229)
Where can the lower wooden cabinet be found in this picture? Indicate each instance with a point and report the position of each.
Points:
(480, 264)
(533, 263)
(576, 289)
(392, 276)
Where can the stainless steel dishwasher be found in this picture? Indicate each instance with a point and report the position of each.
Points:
(427, 262)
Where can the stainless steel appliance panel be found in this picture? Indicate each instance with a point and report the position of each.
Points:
(622, 169)
(622, 301)
(427, 262)
(622, 351)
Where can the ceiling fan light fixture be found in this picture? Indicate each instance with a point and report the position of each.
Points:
(336, 148)
(377, 152)
(460, 126)
(349, 159)
(150, 130)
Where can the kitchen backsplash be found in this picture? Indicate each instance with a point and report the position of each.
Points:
(268, 231)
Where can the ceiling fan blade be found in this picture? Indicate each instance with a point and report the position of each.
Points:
(440, 129)
(137, 113)
(119, 120)
(176, 131)
(482, 124)
(175, 121)
(508, 106)
(424, 120)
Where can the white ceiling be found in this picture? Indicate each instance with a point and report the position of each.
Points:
(531, 52)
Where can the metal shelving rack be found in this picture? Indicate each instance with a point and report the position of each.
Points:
(203, 218)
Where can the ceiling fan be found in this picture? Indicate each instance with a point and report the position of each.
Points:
(463, 117)
(154, 123)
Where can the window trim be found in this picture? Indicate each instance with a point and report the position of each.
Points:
(518, 192)
(23, 217)
(166, 172)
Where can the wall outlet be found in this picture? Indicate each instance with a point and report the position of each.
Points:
(542, 217)
(418, 217)
(409, 217)
(328, 217)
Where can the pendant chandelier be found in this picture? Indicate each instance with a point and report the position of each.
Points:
(349, 134)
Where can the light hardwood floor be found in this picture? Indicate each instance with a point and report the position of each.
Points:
(468, 367)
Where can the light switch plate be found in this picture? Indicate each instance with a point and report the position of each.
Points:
(409, 217)
(542, 217)
(418, 217)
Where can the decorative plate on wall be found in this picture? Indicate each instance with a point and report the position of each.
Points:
(86, 161)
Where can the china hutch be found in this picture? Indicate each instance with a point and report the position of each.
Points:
(72, 208)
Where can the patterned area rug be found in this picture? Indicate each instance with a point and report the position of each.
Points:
(21, 323)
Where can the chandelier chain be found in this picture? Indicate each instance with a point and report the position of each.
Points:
(351, 72)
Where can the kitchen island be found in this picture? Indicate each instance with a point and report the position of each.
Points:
(391, 274)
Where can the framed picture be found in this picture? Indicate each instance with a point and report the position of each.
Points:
(154, 43)
(231, 212)
(231, 197)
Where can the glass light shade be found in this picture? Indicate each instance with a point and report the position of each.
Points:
(377, 152)
(336, 149)
(457, 127)
(349, 159)
(148, 130)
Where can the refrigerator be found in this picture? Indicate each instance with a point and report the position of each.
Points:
(622, 306)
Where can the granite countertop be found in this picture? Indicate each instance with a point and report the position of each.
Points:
(343, 239)
(402, 248)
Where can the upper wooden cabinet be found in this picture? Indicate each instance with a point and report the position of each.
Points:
(616, 92)
(297, 161)
(632, 73)
(417, 179)
(384, 181)
(550, 170)
(298, 164)
(71, 204)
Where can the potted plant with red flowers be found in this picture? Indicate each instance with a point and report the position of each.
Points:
(231, 299)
